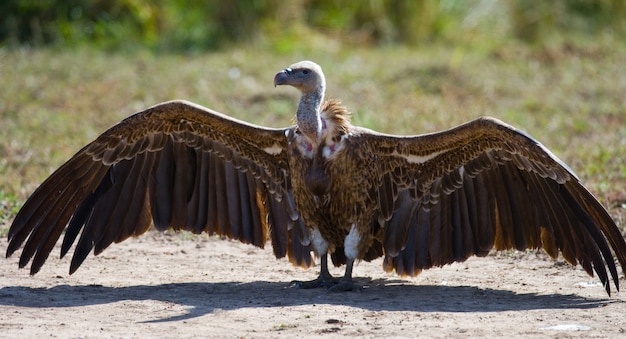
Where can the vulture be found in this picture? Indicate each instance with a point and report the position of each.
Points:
(321, 187)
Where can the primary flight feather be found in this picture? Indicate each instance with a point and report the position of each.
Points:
(322, 186)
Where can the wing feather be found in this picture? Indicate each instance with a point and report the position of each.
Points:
(462, 228)
(161, 189)
(481, 205)
(134, 221)
(195, 220)
(510, 183)
(221, 203)
(176, 165)
(396, 230)
(435, 237)
(244, 212)
(213, 198)
(39, 206)
(486, 185)
(233, 201)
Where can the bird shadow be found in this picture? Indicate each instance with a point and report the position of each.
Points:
(202, 298)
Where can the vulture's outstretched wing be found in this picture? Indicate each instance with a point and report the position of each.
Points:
(177, 165)
(484, 184)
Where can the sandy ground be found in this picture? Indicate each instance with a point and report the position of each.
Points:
(168, 285)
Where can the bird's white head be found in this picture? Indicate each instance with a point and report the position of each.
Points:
(308, 78)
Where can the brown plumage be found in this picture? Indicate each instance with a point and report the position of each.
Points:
(321, 186)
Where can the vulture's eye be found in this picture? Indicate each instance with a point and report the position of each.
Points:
(306, 71)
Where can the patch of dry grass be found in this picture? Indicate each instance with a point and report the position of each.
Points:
(571, 97)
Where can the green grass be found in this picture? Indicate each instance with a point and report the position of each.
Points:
(570, 96)
(9, 206)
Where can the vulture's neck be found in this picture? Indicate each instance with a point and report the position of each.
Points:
(308, 116)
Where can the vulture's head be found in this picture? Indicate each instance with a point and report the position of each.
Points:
(306, 76)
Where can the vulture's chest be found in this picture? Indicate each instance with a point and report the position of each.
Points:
(332, 187)
(316, 169)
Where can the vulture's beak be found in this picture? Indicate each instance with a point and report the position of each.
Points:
(281, 77)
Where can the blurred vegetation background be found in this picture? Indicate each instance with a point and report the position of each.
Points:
(72, 68)
(178, 25)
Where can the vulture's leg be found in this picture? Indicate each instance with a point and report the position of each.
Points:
(351, 244)
(324, 279)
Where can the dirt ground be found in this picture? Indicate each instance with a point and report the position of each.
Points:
(169, 285)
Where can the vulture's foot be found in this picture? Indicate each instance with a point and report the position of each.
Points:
(323, 280)
(345, 285)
